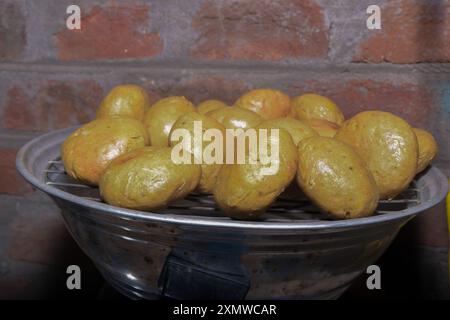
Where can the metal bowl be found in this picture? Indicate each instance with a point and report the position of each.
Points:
(191, 251)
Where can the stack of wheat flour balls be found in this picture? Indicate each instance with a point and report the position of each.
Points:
(344, 166)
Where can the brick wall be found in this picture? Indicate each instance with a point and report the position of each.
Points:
(51, 77)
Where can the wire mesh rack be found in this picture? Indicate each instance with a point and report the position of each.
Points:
(286, 208)
(293, 252)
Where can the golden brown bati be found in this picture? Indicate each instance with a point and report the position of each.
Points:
(268, 103)
(314, 106)
(428, 148)
(147, 179)
(245, 190)
(235, 117)
(210, 105)
(161, 116)
(88, 150)
(323, 127)
(129, 100)
(336, 178)
(388, 145)
(209, 171)
(298, 130)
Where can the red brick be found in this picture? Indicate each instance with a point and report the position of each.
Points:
(110, 32)
(16, 113)
(412, 31)
(260, 30)
(11, 181)
(55, 104)
(12, 31)
(411, 101)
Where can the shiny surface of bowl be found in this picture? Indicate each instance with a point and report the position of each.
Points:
(191, 251)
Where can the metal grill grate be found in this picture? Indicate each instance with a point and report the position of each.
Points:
(283, 210)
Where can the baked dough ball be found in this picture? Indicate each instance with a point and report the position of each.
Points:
(161, 116)
(129, 101)
(147, 179)
(313, 106)
(88, 150)
(336, 178)
(428, 148)
(298, 130)
(324, 128)
(268, 103)
(209, 170)
(234, 117)
(244, 190)
(388, 145)
(210, 105)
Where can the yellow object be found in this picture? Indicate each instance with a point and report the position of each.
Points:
(448, 210)
(88, 151)
(324, 128)
(268, 103)
(388, 145)
(129, 101)
(298, 130)
(209, 171)
(243, 191)
(210, 105)
(336, 178)
(147, 179)
(428, 148)
(314, 106)
(234, 117)
(161, 116)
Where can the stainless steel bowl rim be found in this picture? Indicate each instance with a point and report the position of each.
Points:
(152, 217)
